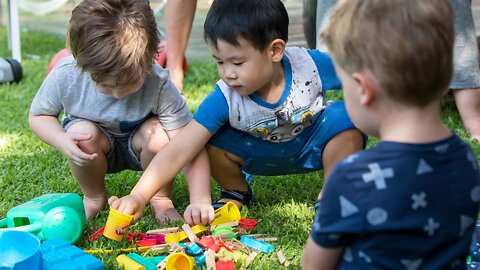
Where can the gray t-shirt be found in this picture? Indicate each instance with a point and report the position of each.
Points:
(69, 89)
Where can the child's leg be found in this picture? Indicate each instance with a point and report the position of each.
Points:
(91, 177)
(226, 170)
(339, 147)
(146, 142)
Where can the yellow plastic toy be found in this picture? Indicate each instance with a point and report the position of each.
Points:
(117, 224)
(129, 264)
(180, 261)
(227, 213)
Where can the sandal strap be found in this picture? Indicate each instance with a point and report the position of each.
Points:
(244, 197)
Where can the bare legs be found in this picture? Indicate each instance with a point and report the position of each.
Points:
(91, 177)
(179, 16)
(339, 147)
(226, 170)
(146, 142)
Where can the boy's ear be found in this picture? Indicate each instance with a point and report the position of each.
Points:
(368, 86)
(277, 48)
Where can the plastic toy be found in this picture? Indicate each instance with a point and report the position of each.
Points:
(117, 224)
(256, 244)
(228, 212)
(148, 263)
(49, 216)
(19, 251)
(175, 237)
(247, 223)
(225, 265)
(180, 261)
(129, 263)
(224, 232)
(209, 243)
(197, 253)
(56, 254)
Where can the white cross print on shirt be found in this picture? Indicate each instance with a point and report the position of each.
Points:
(377, 175)
(419, 200)
(431, 226)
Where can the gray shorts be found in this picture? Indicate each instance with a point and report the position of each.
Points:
(121, 155)
(466, 72)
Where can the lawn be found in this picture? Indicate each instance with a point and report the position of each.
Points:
(29, 168)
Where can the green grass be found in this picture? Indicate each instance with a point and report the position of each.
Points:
(30, 168)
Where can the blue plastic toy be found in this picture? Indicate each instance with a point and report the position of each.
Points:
(57, 254)
(49, 216)
(19, 251)
(256, 244)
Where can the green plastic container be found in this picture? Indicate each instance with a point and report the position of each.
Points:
(60, 215)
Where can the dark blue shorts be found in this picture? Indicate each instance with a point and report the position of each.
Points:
(300, 155)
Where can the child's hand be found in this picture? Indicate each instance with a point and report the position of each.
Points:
(199, 213)
(68, 145)
(132, 204)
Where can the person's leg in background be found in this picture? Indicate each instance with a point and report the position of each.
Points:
(179, 16)
(324, 9)
(466, 73)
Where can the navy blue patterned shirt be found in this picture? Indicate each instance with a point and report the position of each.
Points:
(401, 206)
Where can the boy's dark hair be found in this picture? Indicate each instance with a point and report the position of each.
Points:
(114, 39)
(257, 21)
(406, 44)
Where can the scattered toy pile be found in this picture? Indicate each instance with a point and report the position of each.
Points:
(226, 244)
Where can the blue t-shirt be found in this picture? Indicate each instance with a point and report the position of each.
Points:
(401, 206)
(307, 74)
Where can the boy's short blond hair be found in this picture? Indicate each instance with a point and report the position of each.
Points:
(114, 39)
(406, 44)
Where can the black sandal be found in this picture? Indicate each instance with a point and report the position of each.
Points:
(244, 197)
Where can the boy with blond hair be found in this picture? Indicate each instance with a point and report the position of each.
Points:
(119, 107)
(266, 115)
(411, 201)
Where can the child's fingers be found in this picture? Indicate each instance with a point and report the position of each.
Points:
(187, 216)
(114, 202)
(126, 208)
(208, 215)
(80, 136)
(196, 216)
(84, 156)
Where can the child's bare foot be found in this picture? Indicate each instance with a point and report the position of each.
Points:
(164, 209)
(93, 205)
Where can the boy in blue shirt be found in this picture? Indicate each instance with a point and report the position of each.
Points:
(266, 115)
(411, 201)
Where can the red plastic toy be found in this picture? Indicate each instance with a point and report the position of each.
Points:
(225, 265)
(247, 223)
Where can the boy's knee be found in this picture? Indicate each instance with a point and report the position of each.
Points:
(89, 146)
(353, 135)
(216, 153)
(150, 136)
(98, 143)
(348, 139)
